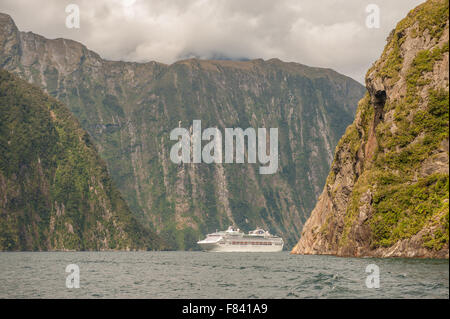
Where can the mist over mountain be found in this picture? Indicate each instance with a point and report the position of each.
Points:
(331, 34)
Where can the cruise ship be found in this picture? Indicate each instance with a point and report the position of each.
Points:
(233, 240)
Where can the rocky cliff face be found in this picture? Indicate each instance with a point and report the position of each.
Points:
(130, 108)
(388, 188)
(56, 193)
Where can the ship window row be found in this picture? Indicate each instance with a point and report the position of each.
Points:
(251, 243)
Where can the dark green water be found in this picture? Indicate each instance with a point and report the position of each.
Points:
(216, 275)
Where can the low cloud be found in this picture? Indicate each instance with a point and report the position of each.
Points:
(328, 33)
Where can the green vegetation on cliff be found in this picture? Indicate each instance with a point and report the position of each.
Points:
(404, 203)
(129, 110)
(388, 190)
(56, 193)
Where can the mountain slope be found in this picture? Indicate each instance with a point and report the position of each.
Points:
(388, 188)
(56, 193)
(130, 108)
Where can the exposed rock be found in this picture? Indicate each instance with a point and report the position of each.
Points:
(56, 193)
(387, 192)
(130, 108)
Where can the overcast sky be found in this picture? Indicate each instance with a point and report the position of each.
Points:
(325, 33)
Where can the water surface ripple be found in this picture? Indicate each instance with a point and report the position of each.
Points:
(216, 275)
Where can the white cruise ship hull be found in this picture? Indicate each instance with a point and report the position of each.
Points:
(215, 247)
(246, 248)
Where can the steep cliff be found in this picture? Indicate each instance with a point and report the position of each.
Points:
(55, 191)
(130, 108)
(388, 188)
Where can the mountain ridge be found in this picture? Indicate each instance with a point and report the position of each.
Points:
(129, 108)
(7, 20)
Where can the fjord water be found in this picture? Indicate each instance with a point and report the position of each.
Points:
(216, 275)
